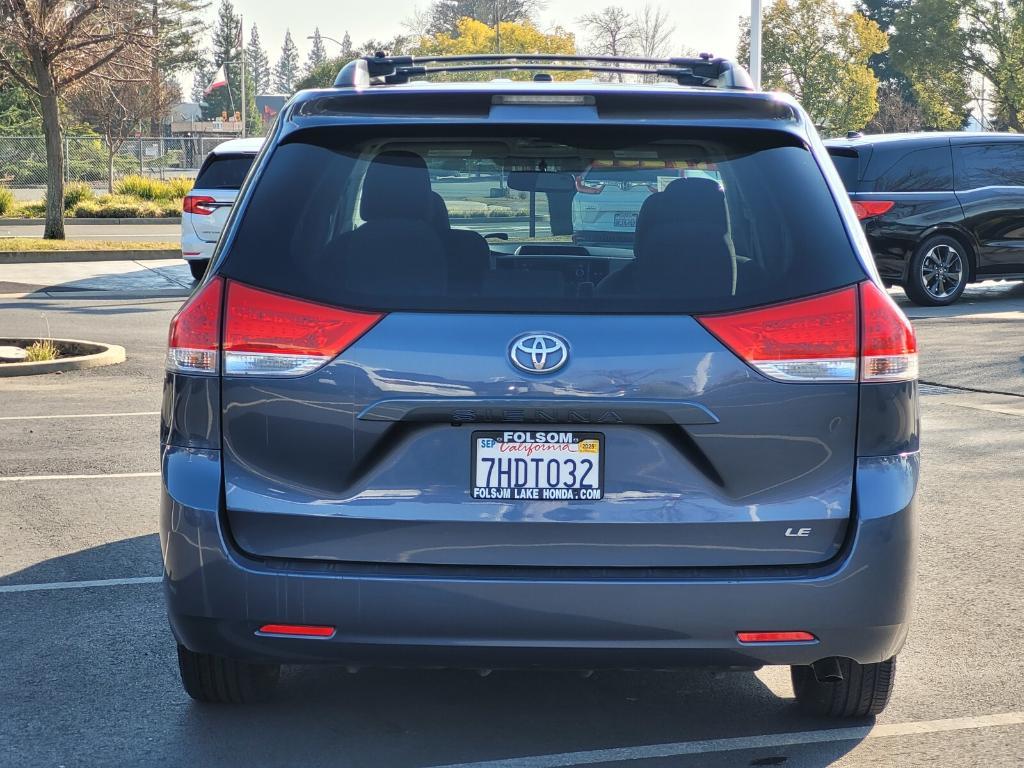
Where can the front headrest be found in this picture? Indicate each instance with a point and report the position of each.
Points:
(700, 202)
(396, 186)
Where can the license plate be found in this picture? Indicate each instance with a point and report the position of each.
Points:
(626, 220)
(537, 465)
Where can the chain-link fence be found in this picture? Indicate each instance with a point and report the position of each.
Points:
(90, 159)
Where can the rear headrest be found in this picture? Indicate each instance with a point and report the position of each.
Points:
(439, 213)
(397, 186)
(699, 202)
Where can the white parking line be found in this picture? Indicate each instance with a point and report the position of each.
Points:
(18, 478)
(79, 584)
(624, 754)
(79, 415)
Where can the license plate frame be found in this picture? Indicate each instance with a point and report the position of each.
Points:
(627, 220)
(534, 491)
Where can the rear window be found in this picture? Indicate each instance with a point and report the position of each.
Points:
(505, 219)
(224, 171)
(922, 170)
(847, 162)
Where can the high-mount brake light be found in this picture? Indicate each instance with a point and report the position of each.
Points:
(824, 338)
(269, 334)
(193, 342)
(866, 209)
(197, 204)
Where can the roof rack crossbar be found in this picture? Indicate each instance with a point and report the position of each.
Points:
(704, 70)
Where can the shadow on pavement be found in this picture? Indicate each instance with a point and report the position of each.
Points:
(980, 298)
(93, 671)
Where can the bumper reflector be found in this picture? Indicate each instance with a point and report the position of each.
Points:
(776, 637)
(296, 630)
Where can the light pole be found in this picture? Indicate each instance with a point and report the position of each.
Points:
(325, 37)
(755, 43)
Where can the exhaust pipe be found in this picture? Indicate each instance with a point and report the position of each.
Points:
(827, 670)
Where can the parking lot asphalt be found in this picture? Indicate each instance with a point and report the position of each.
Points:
(87, 669)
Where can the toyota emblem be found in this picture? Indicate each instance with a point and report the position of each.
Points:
(538, 352)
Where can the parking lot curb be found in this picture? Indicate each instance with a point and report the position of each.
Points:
(71, 220)
(58, 257)
(106, 354)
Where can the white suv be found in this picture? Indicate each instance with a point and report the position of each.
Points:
(207, 206)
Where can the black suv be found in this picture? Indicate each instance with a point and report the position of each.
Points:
(940, 210)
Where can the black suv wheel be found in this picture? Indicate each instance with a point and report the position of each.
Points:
(938, 272)
(864, 690)
(198, 268)
(218, 680)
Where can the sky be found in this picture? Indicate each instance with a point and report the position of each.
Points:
(700, 25)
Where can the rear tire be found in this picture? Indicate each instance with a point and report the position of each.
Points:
(219, 680)
(938, 272)
(198, 268)
(864, 690)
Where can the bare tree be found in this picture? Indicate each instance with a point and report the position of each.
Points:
(653, 32)
(611, 32)
(48, 46)
(115, 108)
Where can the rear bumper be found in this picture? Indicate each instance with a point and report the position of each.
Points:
(857, 606)
(192, 248)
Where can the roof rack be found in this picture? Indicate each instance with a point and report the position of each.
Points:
(704, 71)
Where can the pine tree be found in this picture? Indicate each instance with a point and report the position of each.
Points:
(257, 62)
(317, 53)
(346, 46)
(287, 70)
(175, 27)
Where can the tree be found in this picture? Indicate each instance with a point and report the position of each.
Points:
(896, 113)
(286, 73)
(19, 110)
(995, 31)
(225, 50)
(49, 47)
(317, 53)
(476, 37)
(175, 26)
(257, 61)
(115, 108)
(926, 58)
(819, 52)
(611, 32)
(323, 76)
(444, 15)
(346, 46)
(652, 32)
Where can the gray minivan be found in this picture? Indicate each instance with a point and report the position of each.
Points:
(407, 421)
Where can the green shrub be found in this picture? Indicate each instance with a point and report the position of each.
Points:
(6, 201)
(145, 188)
(75, 192)
(125, 207)
(169, 207)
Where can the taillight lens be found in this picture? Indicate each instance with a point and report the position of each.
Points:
(268, 334)
(888, 341)
(866, 209)
(197, 204)
(193, 340)
(816, 339)
(806, 340)
(587, 188)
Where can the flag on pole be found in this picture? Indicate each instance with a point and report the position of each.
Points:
(220, 79)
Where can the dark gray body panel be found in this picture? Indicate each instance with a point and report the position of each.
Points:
(312, 473)
(858, 604)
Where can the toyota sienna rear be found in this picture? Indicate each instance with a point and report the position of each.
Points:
(407, 421)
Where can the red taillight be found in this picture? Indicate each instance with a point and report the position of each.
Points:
(586, 188)
(816, 339)
(865, 209)
(268, 334)
(775, 637)
(806, 340)
(296, 630)
(194, 338)
(197, 204)
(888, 341)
